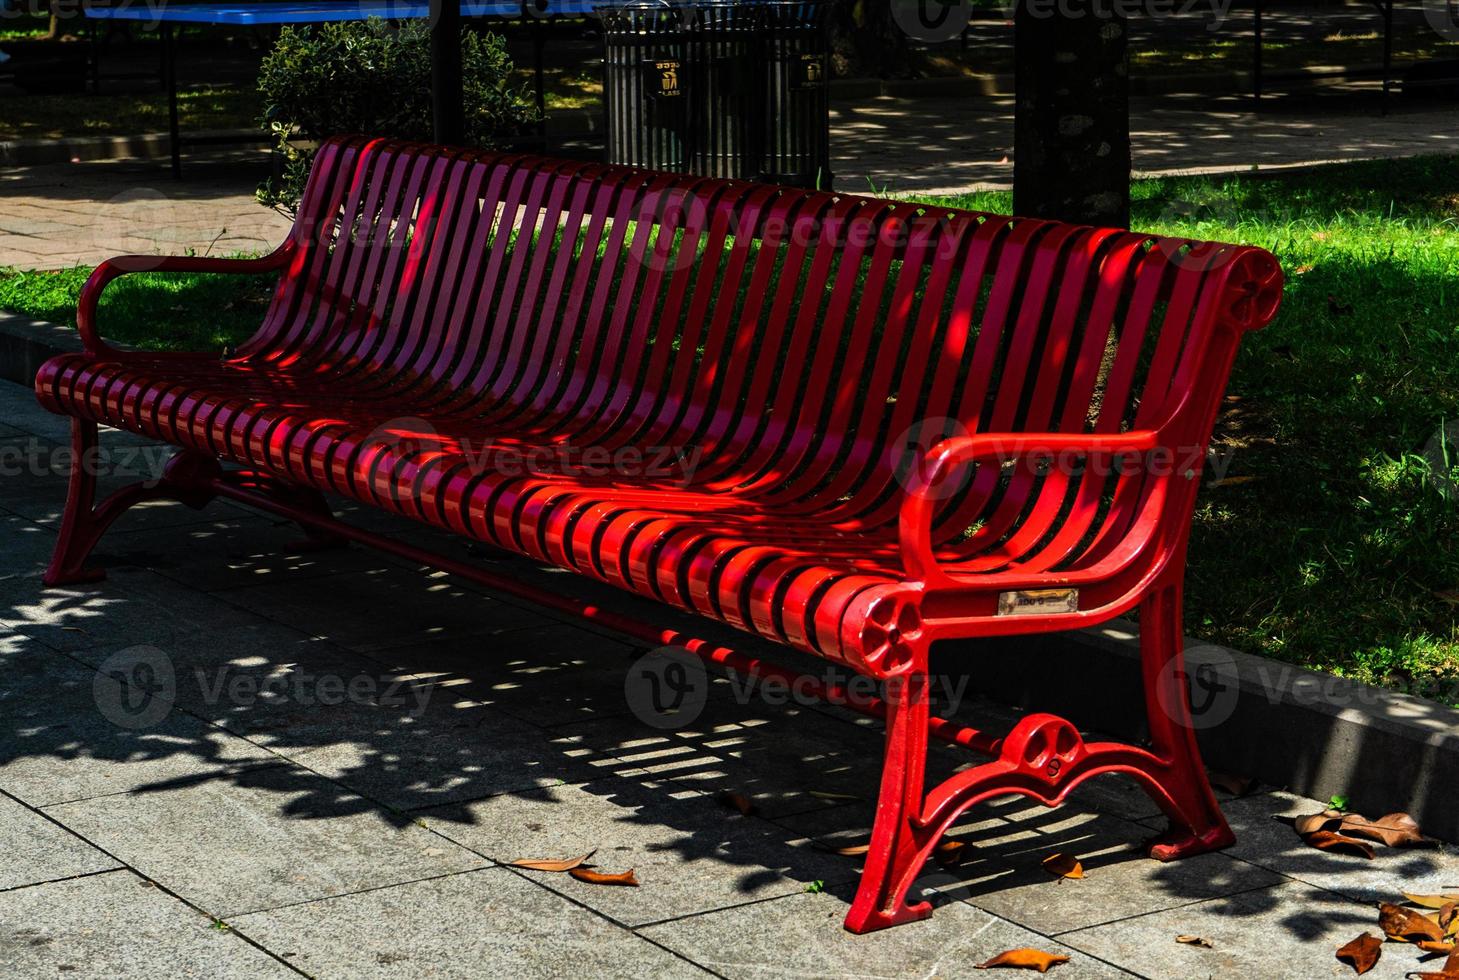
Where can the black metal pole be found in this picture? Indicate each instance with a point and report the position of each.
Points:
(174, 131)
(446, 70)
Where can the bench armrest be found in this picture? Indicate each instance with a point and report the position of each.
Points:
(926, 487)
(103, 275)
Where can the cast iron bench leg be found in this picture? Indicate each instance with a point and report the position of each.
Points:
(186, 478)
(1044, 757)
(189, 477)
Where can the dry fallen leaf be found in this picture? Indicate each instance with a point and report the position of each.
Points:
(950, 852)
(855, 850)
(1312, 823)
(603, 878)
(1431, 901)
(1326, 840)
(1406, 925)
(1449, 918)
(1449, 971)
(1024, 959)
(1394, 830)
(1429, 946)
(1200, 941)
(737, 801)
(1062, 865)
(1362, 953)
(564, 865)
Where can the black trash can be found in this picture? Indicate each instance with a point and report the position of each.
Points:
(797, 105)
(722, 47)
(644, 85)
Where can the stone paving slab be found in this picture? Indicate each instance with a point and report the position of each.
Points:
(801, 936)
(262, 838)
(1289, 930)
(1263, 839)
(689, 852)
(509, 671)
(236, 549)
(740, 748)
(346, 609)
(28, 547)
(489, 923)
(118, 926)
(408, 761)
(118, 207)
(39, 850)
(131, 606)
(1120, 880)
(73, 733)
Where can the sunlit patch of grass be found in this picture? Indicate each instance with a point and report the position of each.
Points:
(155, 311)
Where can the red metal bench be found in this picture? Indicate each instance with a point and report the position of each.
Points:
(442, 316)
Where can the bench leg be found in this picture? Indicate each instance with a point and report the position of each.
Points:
(899, 844)
(186, 478)
(1044, 757)
(1196, 822)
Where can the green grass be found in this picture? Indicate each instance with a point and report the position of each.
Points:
(154, 311)
(1330, 544)
(1336, 547)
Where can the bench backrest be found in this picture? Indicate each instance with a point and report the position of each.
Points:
(817, 334)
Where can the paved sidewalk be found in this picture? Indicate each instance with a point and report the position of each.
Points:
(63, 215)
(235, 760)
(78, 214)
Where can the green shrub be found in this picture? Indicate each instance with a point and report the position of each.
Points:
(374, 78)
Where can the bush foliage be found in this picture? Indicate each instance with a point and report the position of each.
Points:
(374, 78)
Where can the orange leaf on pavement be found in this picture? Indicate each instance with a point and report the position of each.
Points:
(1326, 840)
(1406, 925)
(1362, 953)
(1394, 830)
(1024, 959)
(567, 864)
(603, 878)
(1063, 865)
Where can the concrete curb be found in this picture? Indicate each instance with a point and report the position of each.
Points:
(1312, 733)
(26, 344)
